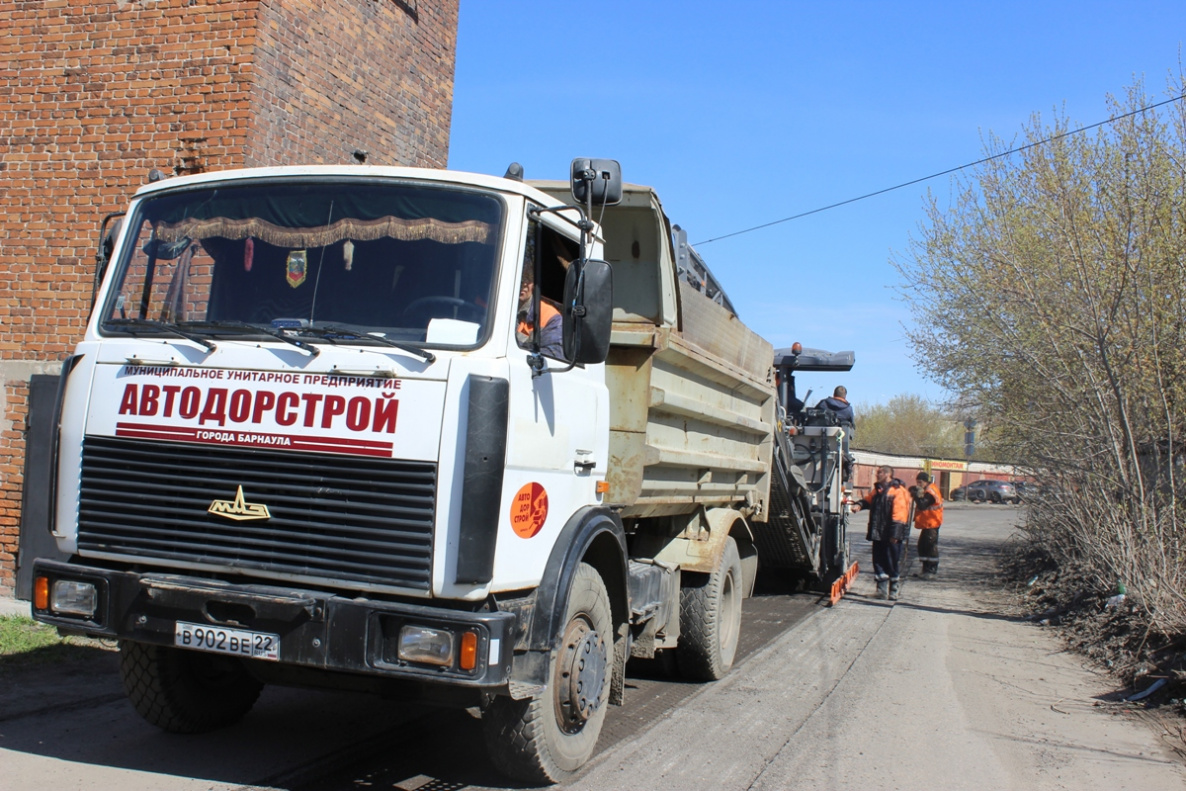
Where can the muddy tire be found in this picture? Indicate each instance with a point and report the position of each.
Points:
(547, 738)
(186, 691)
(710, 619)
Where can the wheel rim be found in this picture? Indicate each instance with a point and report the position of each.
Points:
(730, 617)
(581, 672)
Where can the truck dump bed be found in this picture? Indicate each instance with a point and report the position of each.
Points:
(692, 396)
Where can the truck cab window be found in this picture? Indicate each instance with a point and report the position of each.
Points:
(555, 253)
(406, 263)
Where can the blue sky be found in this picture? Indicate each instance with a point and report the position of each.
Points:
(740, 113)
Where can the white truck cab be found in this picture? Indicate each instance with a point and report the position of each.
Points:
(310, 404)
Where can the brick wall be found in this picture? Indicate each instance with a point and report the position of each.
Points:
(338, 76)
(95, 94)
(15, 407)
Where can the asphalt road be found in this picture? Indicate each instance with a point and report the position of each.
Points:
(72, 723)
(940, 690)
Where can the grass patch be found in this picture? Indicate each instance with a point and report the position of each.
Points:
(25, 642)
(19, 635)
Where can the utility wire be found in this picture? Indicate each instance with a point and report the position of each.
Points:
(943, 172)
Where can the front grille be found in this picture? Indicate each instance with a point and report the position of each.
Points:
(334, 517)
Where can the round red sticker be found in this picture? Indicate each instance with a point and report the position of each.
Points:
(529, 510)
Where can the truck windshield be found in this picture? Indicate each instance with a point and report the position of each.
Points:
(393, 261)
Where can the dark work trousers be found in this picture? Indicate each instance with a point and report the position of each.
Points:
(886, 558)
(928, 549)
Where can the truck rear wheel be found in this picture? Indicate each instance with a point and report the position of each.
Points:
(186, 691)
(547, 738)
(710, 620)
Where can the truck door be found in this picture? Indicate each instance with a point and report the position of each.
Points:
(558, 433)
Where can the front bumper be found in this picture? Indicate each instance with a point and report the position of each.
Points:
(317, 629)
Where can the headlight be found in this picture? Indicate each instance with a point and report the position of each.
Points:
(70, 597)
(430, 646)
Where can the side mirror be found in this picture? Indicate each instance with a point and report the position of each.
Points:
(596, 182)
(588, 312)
(107, 233)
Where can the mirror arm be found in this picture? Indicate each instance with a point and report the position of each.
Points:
(536, 362)
(588, 175)
(536, 211)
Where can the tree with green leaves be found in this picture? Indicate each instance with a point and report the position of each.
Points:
(908, 426)
(1051, 294)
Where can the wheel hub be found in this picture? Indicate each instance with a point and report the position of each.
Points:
(583, 662)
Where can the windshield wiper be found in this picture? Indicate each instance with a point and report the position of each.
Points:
(130, 326)
(246, 328)
(328, 331)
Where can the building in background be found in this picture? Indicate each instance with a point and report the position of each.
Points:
(948, 474)
(96, 94)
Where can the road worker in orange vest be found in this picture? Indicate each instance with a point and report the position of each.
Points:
(928, 517)
(888, 504)
(551, 328)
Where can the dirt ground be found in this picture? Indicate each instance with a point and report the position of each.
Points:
(1111, 630)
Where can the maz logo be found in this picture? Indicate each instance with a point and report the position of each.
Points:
(239, 510)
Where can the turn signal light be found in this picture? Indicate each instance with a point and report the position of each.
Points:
(468, 658)
(41, 593)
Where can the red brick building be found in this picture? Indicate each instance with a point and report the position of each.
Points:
(96, 93)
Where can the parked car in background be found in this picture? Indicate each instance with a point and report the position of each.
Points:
(987, 491)
(1025, 491)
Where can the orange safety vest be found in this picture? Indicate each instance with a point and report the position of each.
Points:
(899, 499)
(546, 311)
(932, 516)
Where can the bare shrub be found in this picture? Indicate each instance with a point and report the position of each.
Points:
(1064, 266)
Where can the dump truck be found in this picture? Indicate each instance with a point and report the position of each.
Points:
(435, 435)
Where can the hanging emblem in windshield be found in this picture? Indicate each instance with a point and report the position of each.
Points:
(239, 509)
(297, 268)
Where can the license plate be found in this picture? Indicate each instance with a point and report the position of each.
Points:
(220, 640)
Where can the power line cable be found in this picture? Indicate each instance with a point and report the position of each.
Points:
(943, 172)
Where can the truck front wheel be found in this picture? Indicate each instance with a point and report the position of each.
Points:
(710, 620)
(186, 691)
(547, 738)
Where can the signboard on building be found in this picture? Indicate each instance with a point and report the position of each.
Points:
(936, 465)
